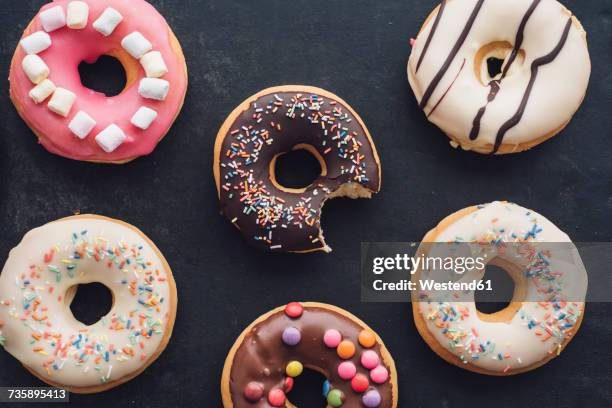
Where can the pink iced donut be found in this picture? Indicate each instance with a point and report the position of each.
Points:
(73, 121)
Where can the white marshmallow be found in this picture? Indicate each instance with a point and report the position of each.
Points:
(136, 44)
(77, 15)
(81, 125)
(154, 88)
(144, 117)
(52, 18)
(108, 21)
(36, 42)
(42, 91)
(35, 68)
(153, 64)
(61, 102)
(110, 138)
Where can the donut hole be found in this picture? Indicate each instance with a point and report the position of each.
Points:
(508, 290)
(89, 302)
(307, 389)
(296, 170)
(489, 302)
(106, 75)
(494, 66)
(491, 60)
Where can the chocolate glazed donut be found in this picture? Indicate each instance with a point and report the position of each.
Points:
(270, 354)
(276, 121)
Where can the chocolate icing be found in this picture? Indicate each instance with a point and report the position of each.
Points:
(535, 67)
(273, 219)
(262, 356)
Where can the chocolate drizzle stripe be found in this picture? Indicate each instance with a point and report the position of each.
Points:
(448, 90)
(449, 60)
(520, 36)
(495, 84)
(431, 34)
(535, 67)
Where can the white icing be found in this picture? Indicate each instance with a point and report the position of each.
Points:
(143, 117)
(42, 91)
(35, 281)
(35, 68)
(108, 21)
(516, 341)
(558, 90)
(52, 18)
(81, 125)
(110, 138)
(36, 42)
(61, 102)
(77, 15)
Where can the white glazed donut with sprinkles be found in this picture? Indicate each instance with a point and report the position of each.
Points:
(548, 303)
(40, 279)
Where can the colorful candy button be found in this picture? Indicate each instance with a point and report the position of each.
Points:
(291, 336)
(379, 375)
(371, 399)
(335, 398)
(332, 338)
(326, 388)
(369, 359)
(346, 349)
(294, 368)
(360, 383)
(276, 397)
(347, 370)
(288, 385)
(253, 391)
(367, 339)
(294, 310)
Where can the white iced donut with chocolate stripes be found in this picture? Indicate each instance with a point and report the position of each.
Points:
(541, 83)
(40, 279)
(548, 302)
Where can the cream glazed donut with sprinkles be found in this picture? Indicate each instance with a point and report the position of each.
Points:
(78, 123)
(39, 282)
(271, 354)
(543, 78)
(271, 123)
(548, 302)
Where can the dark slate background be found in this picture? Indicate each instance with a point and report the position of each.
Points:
(358, 50)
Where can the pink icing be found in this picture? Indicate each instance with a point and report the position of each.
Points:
(69, 49)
